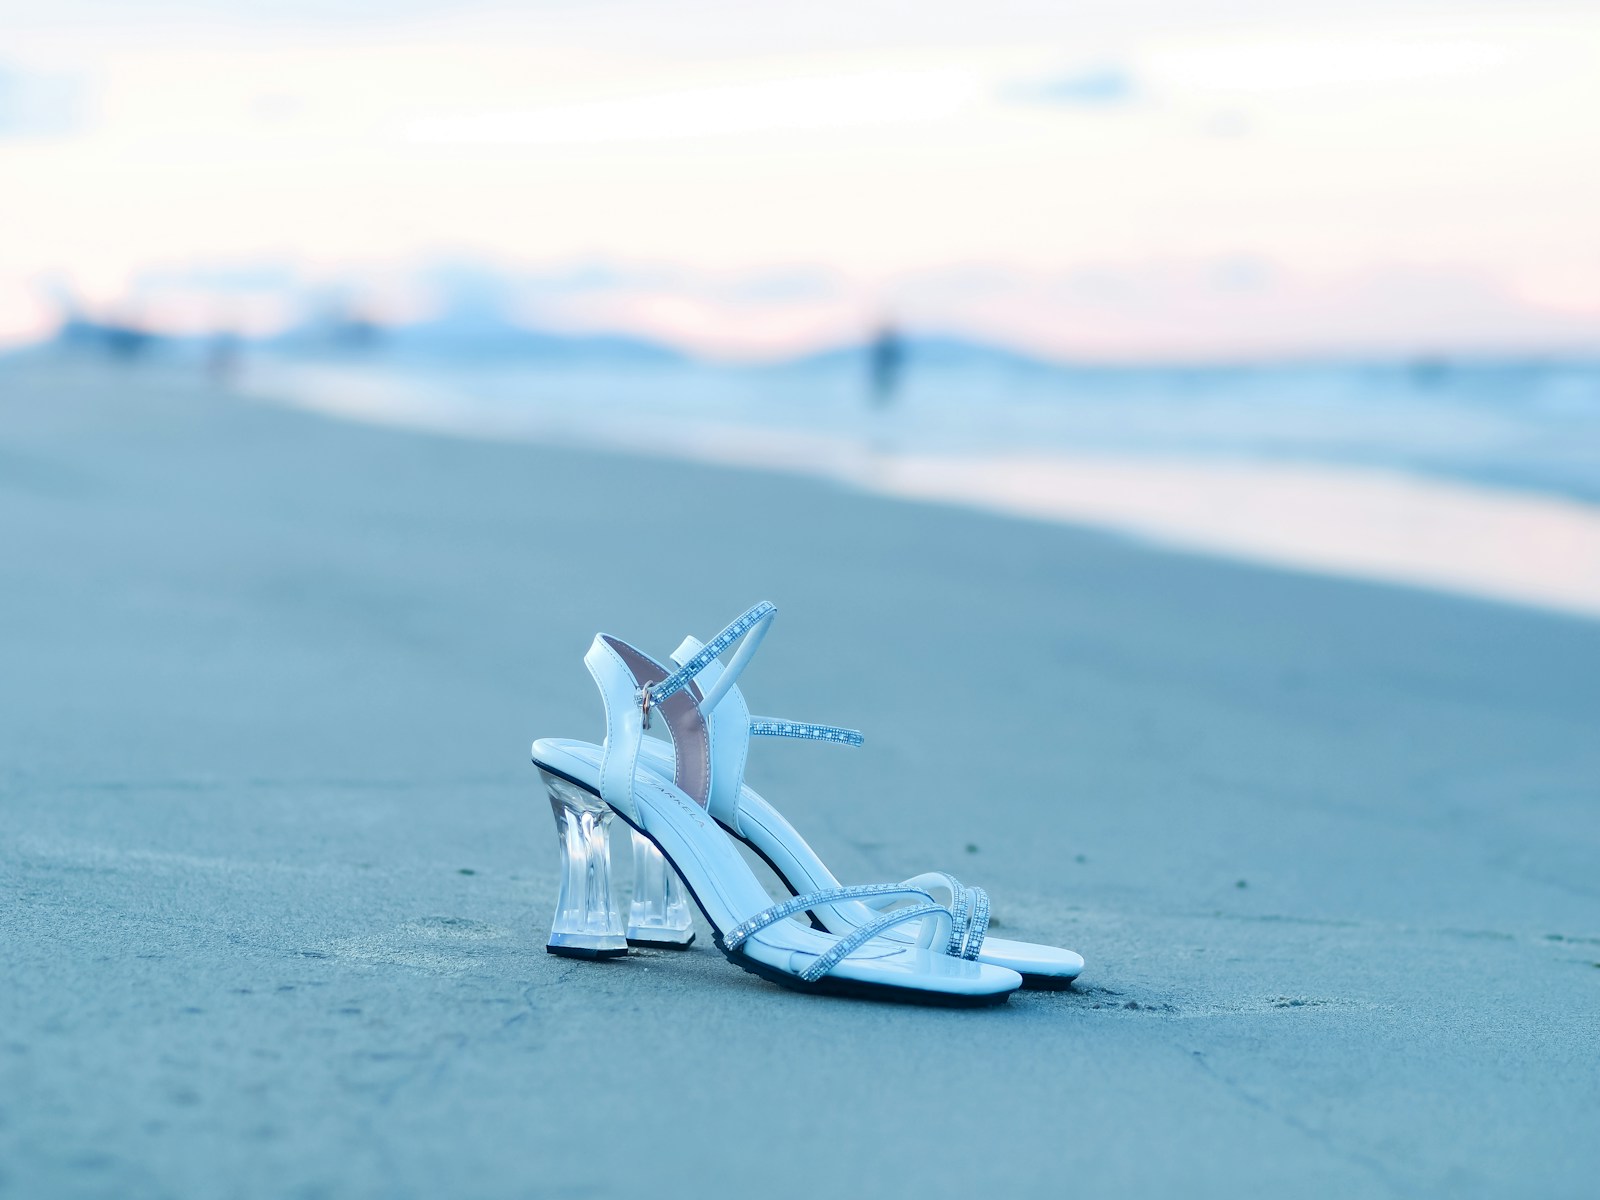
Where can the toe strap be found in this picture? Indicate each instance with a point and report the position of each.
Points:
(879, 894)
(935, 918)
(847, 945)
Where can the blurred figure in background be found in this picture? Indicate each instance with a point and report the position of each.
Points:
(222, 356)
(885, 363)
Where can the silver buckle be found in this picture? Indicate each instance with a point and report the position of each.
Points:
(644, 703)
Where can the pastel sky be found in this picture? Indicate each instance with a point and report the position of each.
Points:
(1142, 179)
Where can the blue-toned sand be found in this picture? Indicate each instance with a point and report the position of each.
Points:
(275, 873)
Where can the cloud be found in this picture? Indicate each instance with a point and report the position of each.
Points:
(39, 105)
(700, 110)
(1097, 87)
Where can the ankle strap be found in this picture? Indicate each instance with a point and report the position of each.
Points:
(753, 622)
(778, 727)
(731, 727)
(632, 685)
(696, 658)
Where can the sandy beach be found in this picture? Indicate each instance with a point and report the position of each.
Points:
(276, 874)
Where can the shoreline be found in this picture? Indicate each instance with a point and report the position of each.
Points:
(1383, 527)
(1505, 545)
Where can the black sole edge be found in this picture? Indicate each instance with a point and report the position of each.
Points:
(828, 985)
(644, 945)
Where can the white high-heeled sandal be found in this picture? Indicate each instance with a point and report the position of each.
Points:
(752, 820)
(587, 784)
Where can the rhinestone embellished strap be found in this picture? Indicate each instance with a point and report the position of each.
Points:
(742, 932)
(777, 727)
(969, 911)
(847, 945)
(680, 678)
(977, 922)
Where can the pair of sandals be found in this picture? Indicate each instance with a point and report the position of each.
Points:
(924, 940)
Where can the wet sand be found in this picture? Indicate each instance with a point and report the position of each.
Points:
(1345, 519)
(276, 873)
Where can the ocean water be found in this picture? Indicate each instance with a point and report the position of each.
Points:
(1526, 426)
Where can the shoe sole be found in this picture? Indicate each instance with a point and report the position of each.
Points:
(642, 944)
(856, 990)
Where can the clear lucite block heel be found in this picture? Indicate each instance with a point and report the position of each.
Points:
(659, 916)
(588, 921)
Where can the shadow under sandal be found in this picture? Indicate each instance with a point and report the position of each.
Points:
(668, 815)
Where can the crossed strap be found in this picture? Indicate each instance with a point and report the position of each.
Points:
(879, 893)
